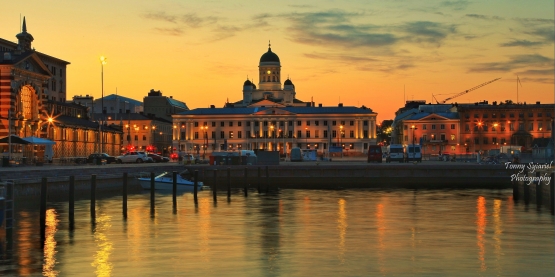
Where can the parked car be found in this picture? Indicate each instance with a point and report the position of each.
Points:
(158, 159)
(375, 153)
(133, 157)
(94, 157)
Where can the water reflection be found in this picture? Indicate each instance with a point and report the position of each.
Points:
(342, 228)
(50, 244)
(25, 245)
(498, 231)
(481, 231)
(380, 224)
(102, 257)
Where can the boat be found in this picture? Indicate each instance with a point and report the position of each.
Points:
(164, 181)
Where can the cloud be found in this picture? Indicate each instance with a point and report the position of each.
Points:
(170, 31)
(546, 33)
(455, 5)
(426, 31)
(523, 43)
(484, 17)
(516, 62)
(538, 72)
(339, 57)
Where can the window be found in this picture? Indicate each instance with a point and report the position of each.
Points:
(365, 134)
(239, 123)
(476, 115)
(442, 126)
(466, 116)
(333, 133)
(493, 115)
(308, 123)
(333, 123)
(222, 134)
(290, 134)
(317, 123)
(222, 124)
(325, 133)
(343, 122)
(485, 140)
(248, 134)
(299, 123)
(195, 123)
(405, 127)
(540, 126)
(467, 127)
(423, 126)
(502, 141)
(231, 124)
(299, 134)
(265, 123)
(452, 126)
(317, 133)
(494, 140)
(502, 115)
(265, 134)
(213, 134)
(136, 137)
(476, 140)
(433, 126)
(511, 126)
(196, 135)
(485, 115)
(230, 134)
(406, 138)
(365, 122)
(239, 134)
(452, 137)
(511, 115)
(248, 124)
(424, 137)
(521, 126)
(530, 114)
(442, 136)
(502, 127)
(520, 115)
(307, 133)
(213, 123)
(282, 123)
(531, 126)
(351, 123)
(539, 114)
(351, 134)
(325, 123)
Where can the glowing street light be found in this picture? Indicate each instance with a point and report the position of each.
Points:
(103, 61)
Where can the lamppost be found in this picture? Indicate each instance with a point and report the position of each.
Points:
(136, 136)
(103, 61)
(273, 136)
(341, 139)
(480, 135)
(153, 137)
(204, 140)
(495, 126)
(413, 128)
(306, 137)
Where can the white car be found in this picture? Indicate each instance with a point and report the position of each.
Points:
(134, 157)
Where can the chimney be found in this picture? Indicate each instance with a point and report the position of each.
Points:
(212, 107)
(340, 105)
(537, 102)
(308, 104)
(319, 105)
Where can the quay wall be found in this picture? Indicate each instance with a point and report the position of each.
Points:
(298, 176)
(539, 193)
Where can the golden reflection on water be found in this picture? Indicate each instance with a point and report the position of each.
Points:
(481, 222)
(380, 223)
(102, 256)
(498, 227)
(204, 225)
(24, 244)
(342, 227)
(50, 244)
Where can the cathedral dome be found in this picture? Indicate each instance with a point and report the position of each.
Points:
(288, 83)
(269, 56)
(247, 83)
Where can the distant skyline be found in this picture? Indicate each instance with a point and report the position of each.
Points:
(372, 53)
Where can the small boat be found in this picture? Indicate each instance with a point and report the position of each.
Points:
(164, 181)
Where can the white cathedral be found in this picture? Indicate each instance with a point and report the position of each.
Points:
(272, 118)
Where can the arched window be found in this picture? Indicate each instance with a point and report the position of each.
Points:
(27, 102)
(273, 78)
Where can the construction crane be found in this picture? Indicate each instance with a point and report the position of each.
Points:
(464, 92)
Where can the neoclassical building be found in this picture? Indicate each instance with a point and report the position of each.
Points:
(270, 117)
(33, 103)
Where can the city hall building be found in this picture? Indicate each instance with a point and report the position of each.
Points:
(270, 117)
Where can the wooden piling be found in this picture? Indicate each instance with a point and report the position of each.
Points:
(516, 194)
(152, 193)
(43, 196)
(539, 193)
(259, 179)
(195, 189)
(246, 181)
(228, 183)
(526, 189)
(174, 190)
(267, 180)
(10, 213)
(71, 202)
(552, 193)
(124, 204)
(215, 186)
(93, 197)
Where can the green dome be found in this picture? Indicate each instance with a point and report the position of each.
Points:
(269, 56)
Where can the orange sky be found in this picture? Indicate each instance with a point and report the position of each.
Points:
(372, 53)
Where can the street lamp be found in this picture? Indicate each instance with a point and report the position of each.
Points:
(273, 136)
(204, 140)
(413, 128)
(136, 136)
(495, 126)
(153, 137)
(103, 61)
(306, 137)
(341, 139)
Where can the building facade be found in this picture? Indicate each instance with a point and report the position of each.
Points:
(272, 118)
(162, 106)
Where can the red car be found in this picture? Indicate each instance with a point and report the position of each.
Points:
(375, 153)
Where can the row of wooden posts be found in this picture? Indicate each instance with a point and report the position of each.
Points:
(539, 191)
(44, 193)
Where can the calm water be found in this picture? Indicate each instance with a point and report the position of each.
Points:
(291, 233)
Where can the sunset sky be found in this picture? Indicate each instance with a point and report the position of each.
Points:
(372, 53)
